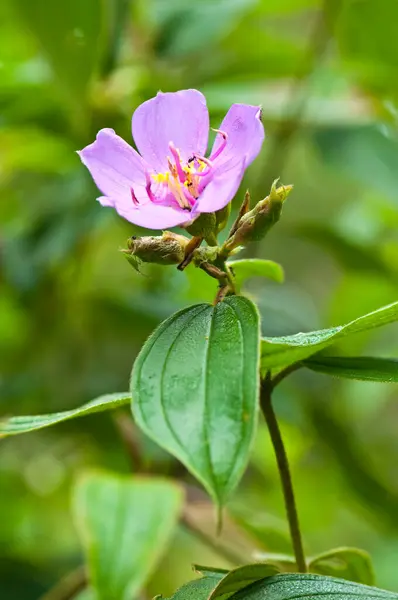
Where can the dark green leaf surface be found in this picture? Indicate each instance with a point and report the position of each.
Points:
(365, 368)
(286, 350)
(290, 586)
(255, 267)
(306, 587)
(195, 389)
(348, 563)
(125, 525)
(15, 425)
(241, 577)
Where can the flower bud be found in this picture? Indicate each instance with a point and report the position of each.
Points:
(168, 249)
(222, 216)
(256, 223)
(205, 226)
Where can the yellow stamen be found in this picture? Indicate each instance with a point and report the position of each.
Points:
(161, 177)
(191, 183)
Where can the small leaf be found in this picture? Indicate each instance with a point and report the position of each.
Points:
(348, 563)
(365, 368)
(284, 562)
(255, 267)
(125, 525)
(134, 261)
(286, 350)
(195, 385)
(241, 577)
(199, 589)
(15, 425)
(210, 571)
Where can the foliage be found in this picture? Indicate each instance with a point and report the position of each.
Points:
(74, 315)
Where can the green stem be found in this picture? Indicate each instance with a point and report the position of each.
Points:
(285, 373)
(69, 586)
(284, 473)
(211, 239)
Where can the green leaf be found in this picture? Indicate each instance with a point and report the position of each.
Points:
(255, 267)
(195, 386)
(288, 586)
(199, 589)
(210, 571)
(241, 577)
(348, 563)
(125, 525)
(286, 350)
(285, 563)
(15, 425)
(365, 368)
(69, 34)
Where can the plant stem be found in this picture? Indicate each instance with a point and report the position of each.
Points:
(284, 472)
(211, 239)
(69, 586)
(284, 373)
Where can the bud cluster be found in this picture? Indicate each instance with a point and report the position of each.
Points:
(253, 225)
(174, 249)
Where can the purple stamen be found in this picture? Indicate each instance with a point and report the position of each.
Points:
(151, 196)
(176, 156)
(223, 144)
(207, 162)
(189, 197)
(134, 197)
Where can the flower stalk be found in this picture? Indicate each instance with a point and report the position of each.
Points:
(284, 472)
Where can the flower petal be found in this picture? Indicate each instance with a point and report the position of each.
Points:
(117, 169)
(149, 215)
(114, 165)
(245, 132)
(179, 117)
(222, 187)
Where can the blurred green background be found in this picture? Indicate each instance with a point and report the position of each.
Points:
(73, 314)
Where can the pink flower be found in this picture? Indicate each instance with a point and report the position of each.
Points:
(171, 181)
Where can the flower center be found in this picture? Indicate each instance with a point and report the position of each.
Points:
(185, 181)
